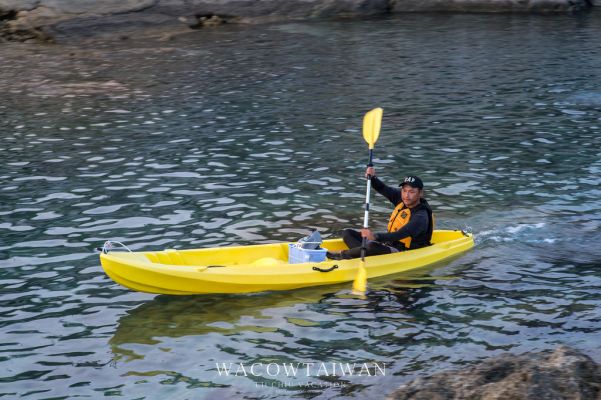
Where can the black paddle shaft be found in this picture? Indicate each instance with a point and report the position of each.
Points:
(366, 217)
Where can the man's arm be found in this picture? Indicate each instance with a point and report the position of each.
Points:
(392, 194)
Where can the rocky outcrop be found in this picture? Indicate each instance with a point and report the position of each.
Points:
(564, 374)
(42, 20)
(536, 6)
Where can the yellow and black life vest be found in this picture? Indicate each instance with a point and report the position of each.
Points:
(401, 216)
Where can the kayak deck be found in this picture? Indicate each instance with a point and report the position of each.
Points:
(257, 268)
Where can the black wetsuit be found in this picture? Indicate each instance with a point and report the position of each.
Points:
(419, 227)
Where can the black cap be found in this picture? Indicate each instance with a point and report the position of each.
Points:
(412, 181)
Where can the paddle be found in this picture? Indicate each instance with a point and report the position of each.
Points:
(371, 131)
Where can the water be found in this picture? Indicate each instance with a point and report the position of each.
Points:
(252, 135)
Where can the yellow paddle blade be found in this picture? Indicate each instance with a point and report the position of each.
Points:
(360, 282)
(371, 126)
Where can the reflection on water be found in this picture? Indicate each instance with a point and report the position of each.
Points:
(237, 136)
(304, 326)
(169, 316)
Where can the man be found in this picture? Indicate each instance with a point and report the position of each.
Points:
(410, 225)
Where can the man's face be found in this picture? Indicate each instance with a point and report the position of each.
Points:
(410, 195)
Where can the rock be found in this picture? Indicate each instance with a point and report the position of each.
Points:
(564, 374)
(12, 30)
(537, 6)
(200, 21)
(44, 20)
(269, 10)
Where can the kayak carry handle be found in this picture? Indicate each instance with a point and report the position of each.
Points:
(325, 270)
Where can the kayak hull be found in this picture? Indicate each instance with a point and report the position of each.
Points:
(258, 268)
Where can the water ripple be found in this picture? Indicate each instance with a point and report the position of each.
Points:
(180, 147)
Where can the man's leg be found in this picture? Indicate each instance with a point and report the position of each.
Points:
(373, 249)
(352, 238)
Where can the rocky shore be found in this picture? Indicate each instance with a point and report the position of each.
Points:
(564, 374)
(50, 20)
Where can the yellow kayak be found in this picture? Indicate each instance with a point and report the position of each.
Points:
(258, 268)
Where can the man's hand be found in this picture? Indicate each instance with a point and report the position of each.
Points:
(367, 233)
(370, 172)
